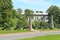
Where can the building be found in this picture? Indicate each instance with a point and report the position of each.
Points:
(40, 17)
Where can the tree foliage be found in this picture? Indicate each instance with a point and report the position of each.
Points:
(55, 11)
(7, 13)
(29, 16)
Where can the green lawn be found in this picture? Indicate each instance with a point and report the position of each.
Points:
(17, 31)
(48, 37)
(49, 29)
(12, 31)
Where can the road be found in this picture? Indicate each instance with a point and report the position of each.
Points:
(26, 35)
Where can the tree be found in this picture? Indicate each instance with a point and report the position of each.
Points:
(6, 12)
(54, 13)
(22, 21)
(29, 16)
(19, 10)
(39, 11)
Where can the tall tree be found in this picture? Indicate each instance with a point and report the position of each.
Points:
(54, 12)
(6, 12)
(22, 21)
(29, 15)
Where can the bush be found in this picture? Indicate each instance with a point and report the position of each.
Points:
(35, 24)
(40, 25)
(56, 25)
(44, 25)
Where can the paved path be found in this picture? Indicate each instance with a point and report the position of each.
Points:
(26, 35)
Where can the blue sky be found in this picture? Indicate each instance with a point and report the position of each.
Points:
(35, 4)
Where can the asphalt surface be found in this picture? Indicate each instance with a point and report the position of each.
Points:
(26, 35)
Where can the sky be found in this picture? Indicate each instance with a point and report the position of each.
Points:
(36, 5)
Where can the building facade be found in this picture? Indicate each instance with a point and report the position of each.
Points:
(40, 17)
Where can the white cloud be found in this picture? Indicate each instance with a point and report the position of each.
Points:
(35, 4)
(42, 2)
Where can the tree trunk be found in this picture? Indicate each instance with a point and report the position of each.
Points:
(51, 22)
(30, 24)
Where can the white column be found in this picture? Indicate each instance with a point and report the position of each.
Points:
(51, 22)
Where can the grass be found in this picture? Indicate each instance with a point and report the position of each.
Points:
(49, 29)
(13, 31)
(48, 37)
(18, 31)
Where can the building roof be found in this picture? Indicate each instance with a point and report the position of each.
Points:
(40, 14)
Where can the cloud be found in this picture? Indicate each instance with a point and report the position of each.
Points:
(35, 4)
(39, 4)
(42, 2)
